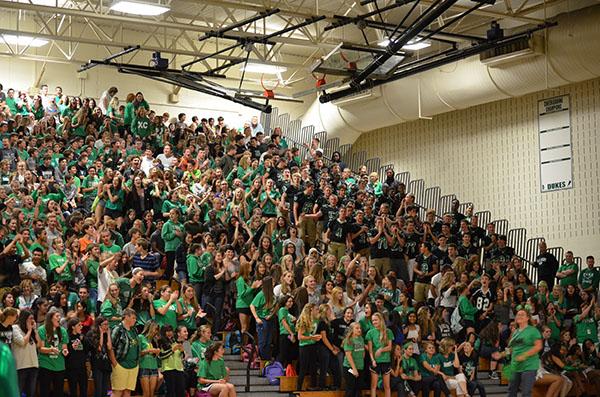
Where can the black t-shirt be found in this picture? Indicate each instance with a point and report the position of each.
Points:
(396, 250)
(338, 231)
(360, 242)
(305, 203)
(6, 334)
(46, 172)
(78, 351)
(469, 364)
(483, 300)
(329, 212)
(339, 327)
(547, 264)
(9, 270)
(502, 254)
(380, 249)
(323, 326)
(411, 246)
(425, 264)
(466, 252)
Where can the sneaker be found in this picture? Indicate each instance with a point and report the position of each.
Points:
(494, 375)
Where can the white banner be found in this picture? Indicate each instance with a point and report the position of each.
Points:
(556, 154)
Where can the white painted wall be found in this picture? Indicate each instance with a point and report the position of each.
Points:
(489, 155)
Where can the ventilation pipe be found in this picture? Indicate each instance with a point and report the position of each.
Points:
(572, 55)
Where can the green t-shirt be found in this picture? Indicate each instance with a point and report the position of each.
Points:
(199, 348)
(569, 280)
(521, 342)
(589, 278)
(125, 290)
(374, 336)
(89, 182)
(108, 310)
(147, 361)
(245, 294)
(129, 113)
(403, 312)
(170, 316)
(57, 261)
(586, 328)
(307, 342)
(189, 322)
(365, 325)
(260, 303)
(284, 314)
(113, 249)
(53, 362)
(141, 127)
(8, 373)
(409, 365)
(213, 370)
(446, 364)
(92, 275)
(195, 269)
(172, 241)
(357, 348)
(131, 359)
(432, 361)
(118, 204)
(270, 208)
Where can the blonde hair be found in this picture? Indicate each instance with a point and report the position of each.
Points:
(350, 332)
(446, 345)
(285, 289)
(383, 337)
(459, 265)
(339, 292)
(306, 320)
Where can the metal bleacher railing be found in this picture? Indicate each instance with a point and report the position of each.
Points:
(525, 247)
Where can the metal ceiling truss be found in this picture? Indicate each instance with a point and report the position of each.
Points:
(192, 80)
(196, 80)
(429, 63)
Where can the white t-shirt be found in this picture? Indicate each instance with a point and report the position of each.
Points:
(105, 279)
(435, 282)
(167, 162)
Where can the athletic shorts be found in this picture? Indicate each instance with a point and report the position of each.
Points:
(381, 368)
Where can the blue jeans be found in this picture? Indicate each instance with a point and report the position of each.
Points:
(524, 380)
(264, 331)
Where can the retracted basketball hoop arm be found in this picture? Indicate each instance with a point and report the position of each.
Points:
(187, 79)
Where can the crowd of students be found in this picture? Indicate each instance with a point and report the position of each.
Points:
(130, 239)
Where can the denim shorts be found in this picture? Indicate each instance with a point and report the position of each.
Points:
(148, 373)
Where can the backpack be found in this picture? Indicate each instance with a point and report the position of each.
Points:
(273, 371)
(456, 321)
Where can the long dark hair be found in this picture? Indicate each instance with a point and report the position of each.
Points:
(267, 289)
(211, 350)
(23, 317)
(165, 342)
(95, 331)
(50, 331)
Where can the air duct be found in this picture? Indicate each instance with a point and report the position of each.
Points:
(572, 55)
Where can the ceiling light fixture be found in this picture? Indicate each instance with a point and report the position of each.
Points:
(139, 8)
(264, 68)
(24, 40)
(412, 45)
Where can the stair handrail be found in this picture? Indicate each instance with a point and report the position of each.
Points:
(251, 355)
